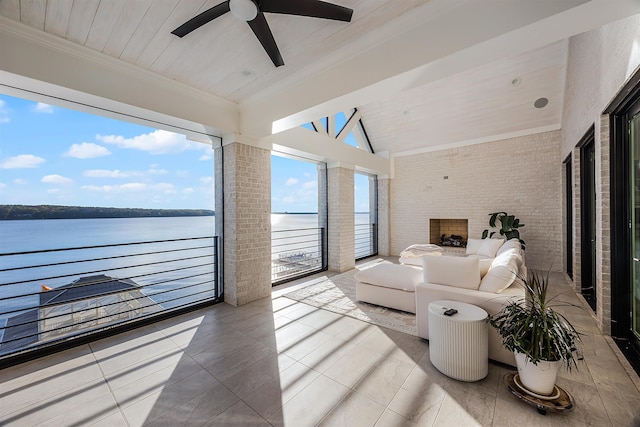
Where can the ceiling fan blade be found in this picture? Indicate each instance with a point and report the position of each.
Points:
(263, 33)
(313, 8)
(198, 21)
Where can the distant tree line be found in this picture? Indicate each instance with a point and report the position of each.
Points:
(76, 212)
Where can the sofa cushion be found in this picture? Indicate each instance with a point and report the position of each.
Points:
(515, 254)
(451, 271)
(393, 276)
(485, 265)
(473, 245)
(489, 247)
(415, 261)
(509, 244)
(501, 275)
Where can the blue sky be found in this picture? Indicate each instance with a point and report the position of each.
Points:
(58, 156)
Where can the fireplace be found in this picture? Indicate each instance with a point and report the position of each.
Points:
(449, 232)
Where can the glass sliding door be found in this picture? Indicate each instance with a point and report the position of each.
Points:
(624, 140)
(366, 215)
(634, 181)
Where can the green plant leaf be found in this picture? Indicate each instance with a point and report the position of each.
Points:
(531, 325)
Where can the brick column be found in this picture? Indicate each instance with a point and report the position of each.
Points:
(603, 232)
(577, 222)
(341, 233)
(247, 223)
(384, 235)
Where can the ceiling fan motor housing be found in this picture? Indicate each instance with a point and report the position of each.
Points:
(246, 10)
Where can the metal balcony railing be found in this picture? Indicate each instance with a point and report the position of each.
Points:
(366, 240)
(51, 296)
(296, 253)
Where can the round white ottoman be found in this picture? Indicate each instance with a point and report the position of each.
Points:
(458, 344)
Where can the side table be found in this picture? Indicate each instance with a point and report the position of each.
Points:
(458, 344)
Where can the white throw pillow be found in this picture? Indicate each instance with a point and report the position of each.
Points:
(485, 265)
(508, 255)
(499, 277)
(509, 244)
(452, 271)
(473, 245)
(489, 247)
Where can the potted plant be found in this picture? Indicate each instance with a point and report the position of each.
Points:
(509, 225)
(542, 339)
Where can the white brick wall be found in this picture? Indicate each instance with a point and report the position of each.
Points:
(577, 222)
(341, 237)
(383, 216)
(603, 234)
(521, 176)
(247, 223)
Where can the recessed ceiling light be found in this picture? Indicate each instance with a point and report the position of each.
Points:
(247, 73)
(516, 81)
(541, 102)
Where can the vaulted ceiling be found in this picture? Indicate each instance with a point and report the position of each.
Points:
(424, 73)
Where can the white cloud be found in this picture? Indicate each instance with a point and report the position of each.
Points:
(165, 188)
(156, 142)
(2, 185)
(23, 161)
(20, 181)
(131, 187)
(305, 193)
(87, 150)
(206, 179)
(291, 181)
(56, 179)
(185, 191)
(4, 113)
(53, 191)
(155, 171)
(206, 156)
(41, 107)
(134, 186)
(105, 173)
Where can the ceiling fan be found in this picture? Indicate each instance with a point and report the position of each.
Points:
(252, 11)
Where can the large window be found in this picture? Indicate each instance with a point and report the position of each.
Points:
(298, 233)
(103, 223)
(365, 208)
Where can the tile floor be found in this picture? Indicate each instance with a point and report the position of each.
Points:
(282, 363)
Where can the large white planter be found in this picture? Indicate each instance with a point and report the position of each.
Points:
(540, 378)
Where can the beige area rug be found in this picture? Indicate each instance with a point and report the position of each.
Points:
(338, 294)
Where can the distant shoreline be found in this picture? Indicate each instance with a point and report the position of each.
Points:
(26, 212)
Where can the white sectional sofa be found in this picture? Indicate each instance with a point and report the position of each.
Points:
(459, 278)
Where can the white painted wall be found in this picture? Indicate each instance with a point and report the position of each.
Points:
(600, 61)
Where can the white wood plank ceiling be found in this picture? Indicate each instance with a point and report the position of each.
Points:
(225, 59)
